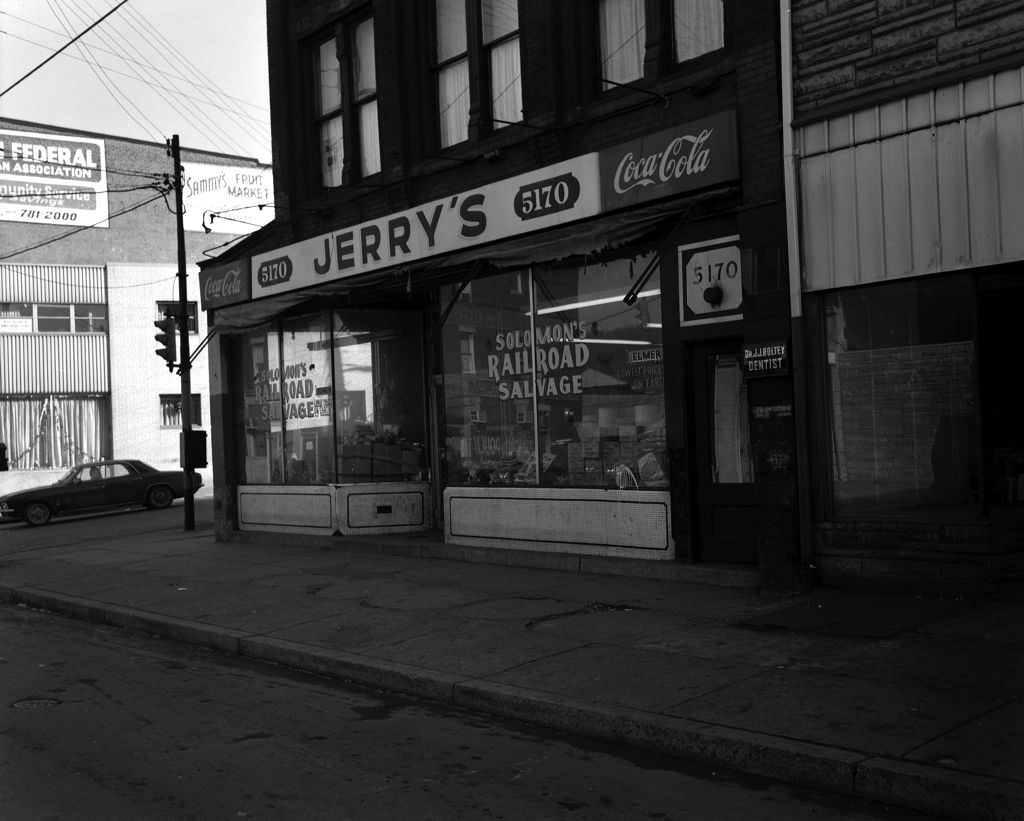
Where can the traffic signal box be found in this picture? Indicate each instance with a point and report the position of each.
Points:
(165, 339)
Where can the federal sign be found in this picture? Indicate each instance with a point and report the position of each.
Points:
(52, 179)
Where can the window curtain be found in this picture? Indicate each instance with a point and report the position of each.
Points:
(369, 141)
(699, 27)
(332, 152)
(453, 96)
(506, 85)
(54, 431)
(731, 443)
(365, 75)
(622, 29)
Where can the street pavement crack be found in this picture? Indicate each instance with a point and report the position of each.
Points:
(591, 607)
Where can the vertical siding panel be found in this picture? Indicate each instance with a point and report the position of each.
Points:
(1010, 152)
(895, 170)
(952, 195)
(867, 169)
(815, 224)
(982, 186)
(842, 199)
(947, 193)
(60, 363)
(924, 206)
(53, 283)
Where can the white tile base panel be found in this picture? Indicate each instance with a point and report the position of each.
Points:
(365, 509)
(596, 522)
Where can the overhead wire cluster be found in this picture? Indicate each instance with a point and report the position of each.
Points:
(128, 50)
(124, 49)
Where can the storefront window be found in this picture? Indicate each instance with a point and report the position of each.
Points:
(305, 386)
(900, 388)
(259, 376)
(572, 381)
(378, 394)
(487, 384)
(334, 397)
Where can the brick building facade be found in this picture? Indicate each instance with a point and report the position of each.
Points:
(528, 260)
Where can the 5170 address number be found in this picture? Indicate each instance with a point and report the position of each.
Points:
(546, 197)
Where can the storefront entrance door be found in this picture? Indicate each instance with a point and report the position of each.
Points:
(726, 518)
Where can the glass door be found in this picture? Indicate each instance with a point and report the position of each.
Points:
(726, 520)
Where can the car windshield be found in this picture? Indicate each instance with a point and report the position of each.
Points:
(68, 477)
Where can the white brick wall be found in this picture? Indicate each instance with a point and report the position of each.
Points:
(137, 375)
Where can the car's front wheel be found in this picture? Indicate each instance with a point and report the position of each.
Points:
(159, 496)
(37, 513)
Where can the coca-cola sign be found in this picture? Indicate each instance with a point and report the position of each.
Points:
(688, 157)
(225, 284)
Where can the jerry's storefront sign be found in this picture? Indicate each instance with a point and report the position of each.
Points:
(688, 157)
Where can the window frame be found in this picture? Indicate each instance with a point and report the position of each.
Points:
(667, 12)
(497, 430)
(347, 112)
(481, 120)
(659, 48)
(826, 466)
(80, 317)
(167, 399)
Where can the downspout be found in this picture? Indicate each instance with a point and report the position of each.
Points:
(790, 174)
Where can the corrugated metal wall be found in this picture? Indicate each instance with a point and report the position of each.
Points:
(53, 363)
(50, 363)
(53, 283)
(929, 183)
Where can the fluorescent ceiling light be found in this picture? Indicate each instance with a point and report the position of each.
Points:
(589, 303)
(602, 341)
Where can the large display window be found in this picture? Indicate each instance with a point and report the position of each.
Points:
(551, 379)
(900, 390)
(333, 397)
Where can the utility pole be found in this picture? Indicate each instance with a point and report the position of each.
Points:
(184, 366)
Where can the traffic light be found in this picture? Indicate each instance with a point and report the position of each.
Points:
(165, 339)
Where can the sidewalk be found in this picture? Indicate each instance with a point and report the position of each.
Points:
(902, 700)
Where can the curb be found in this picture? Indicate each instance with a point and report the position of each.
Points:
(942, 792)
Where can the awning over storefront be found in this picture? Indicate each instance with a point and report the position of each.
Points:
(581, 239)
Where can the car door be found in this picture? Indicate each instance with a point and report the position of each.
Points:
(125, 485)
(85, 490)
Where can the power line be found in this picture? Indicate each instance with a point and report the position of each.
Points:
(21, 79)
(207, 85)
(184, 112)
(106, 82)
(111, 52)
(259, 122)
(81, 228)
(219, 116)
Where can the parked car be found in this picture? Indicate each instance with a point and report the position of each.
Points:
(97, 486)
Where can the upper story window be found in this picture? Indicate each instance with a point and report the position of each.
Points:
(347, 123)
(77, 318)
(487, 30)
(622, 28)
(696, 27)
